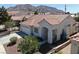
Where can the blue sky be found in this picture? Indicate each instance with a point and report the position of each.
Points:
(73, 8)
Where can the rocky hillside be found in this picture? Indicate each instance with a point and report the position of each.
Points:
(27, 9)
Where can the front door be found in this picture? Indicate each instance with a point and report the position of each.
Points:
(54, 35)
(44, 33)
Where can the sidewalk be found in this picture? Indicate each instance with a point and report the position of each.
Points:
(2, 50)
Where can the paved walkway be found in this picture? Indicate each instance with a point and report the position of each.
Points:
(2, 50)
(6, 39)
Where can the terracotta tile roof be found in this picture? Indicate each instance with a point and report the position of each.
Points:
(13, 12)
(17, 17)
(51, 19)
(20, 17)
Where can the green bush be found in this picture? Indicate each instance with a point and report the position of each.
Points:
(76, 19)
(10, 24)
(29, 45)
(12, 41)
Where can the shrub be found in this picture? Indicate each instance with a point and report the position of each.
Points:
(76, 19)
(10, 24)
(12, 41)
(29, 45)
(36, 13)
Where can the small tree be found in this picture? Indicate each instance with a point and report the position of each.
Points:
(76, 19)
(9, 24)
(67, 13)
(4, 16)
(29, 45)
(36, 13)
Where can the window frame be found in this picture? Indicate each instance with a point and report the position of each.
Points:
(35, 30)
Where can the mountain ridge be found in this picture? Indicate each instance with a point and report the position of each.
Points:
(30, 8)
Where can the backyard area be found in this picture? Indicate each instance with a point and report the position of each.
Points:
(66, 50)
(12, 49)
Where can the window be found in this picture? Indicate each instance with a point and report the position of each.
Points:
(68, 25)
(36, 30)
(74, 24)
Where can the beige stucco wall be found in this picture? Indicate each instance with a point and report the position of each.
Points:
(50, 28)
(64, 25)
(74, 46)
(25, 29)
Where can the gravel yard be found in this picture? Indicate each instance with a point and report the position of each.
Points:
(6, 39)
(66, 50)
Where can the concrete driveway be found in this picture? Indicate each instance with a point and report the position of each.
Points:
(6, 39)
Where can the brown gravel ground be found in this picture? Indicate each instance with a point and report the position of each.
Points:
(12, 49)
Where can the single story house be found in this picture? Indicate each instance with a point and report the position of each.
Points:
(21, 18)
(13, 13)
(16, 16)
(51, 28)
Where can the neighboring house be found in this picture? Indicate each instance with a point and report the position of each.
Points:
(18, 17)
(75, 44)
(49, 27)
(21, 18)
(13, 13)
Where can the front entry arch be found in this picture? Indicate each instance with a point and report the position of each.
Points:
(44, 33)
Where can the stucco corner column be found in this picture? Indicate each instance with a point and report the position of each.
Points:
(40, 31)
(50, 36)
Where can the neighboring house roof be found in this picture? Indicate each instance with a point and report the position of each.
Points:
(13, 12)
(17, 17)
(51, 19)
(20, 18)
